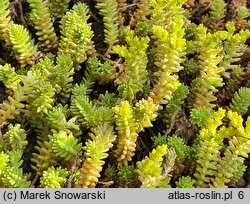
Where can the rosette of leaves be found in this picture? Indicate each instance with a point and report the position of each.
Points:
(140, 13)
(4, 158)
(76, 34)
(40, 95)
(40, 17)
(134, 66)
(126, 175)
(61, 75)
(205, 86)
(240, 17)
(171, 47)
(127, 132)
(89, 114)
(185, 182)
(162, 12)
(145, 112)
(5, 20)
(15, 102)
(45, 156)
(217, 15)
(14, 138)
(200, 115)
(65, 145)
(174, 105)
(231, 166)
(23, 46)
(11, 173)
(109, 10)
(95, 151)
(210, 144)
(241, 100)
(54, 177)
(8, 76)
(233, 47)
(103, 71)
(150, 169)
(58, 8)
(57, 118)
(179, 147)
(122, 11)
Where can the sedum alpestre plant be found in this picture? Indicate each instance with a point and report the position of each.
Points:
(150, 94)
